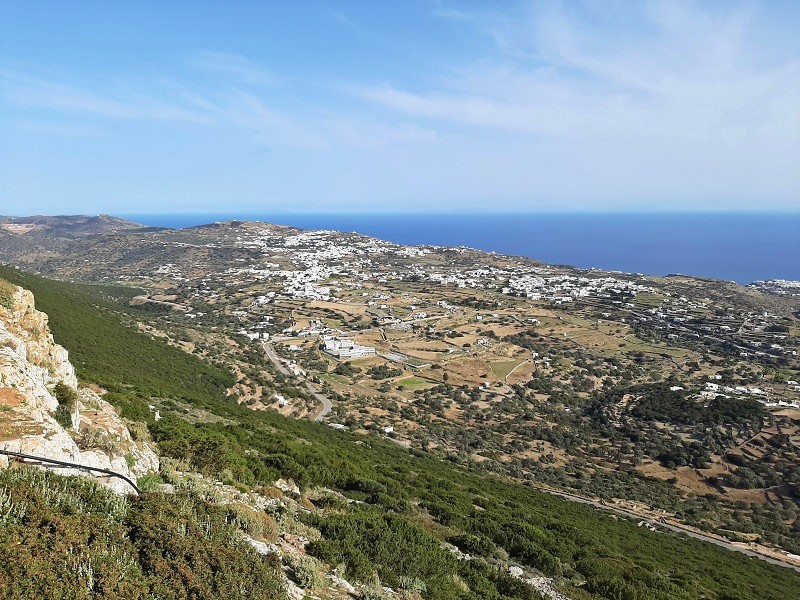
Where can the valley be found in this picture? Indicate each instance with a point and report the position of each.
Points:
(673, 398)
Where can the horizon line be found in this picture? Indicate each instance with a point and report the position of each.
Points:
(329, 212)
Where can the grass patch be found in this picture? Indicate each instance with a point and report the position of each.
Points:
(503, 368)
(412, 383)
(417, 362)
(334, 377)
(649, 300)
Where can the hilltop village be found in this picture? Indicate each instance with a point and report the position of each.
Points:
(396, 287)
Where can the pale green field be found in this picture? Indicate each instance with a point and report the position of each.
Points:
(503, 368)
(410, 383)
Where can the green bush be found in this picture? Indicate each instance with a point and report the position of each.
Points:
(305, 571)
(67, 398)
(87, 321)
(7, 291)
(67, 537)
(391, 545)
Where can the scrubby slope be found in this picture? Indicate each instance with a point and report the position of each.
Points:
(70, 538)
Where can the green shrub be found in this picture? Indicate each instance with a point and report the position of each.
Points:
(7, 291)
(67, 537)
(91, 437)
(67, 399)
(305, 571)
(474, 544)
(87, 321)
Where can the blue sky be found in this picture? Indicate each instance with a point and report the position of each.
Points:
(386, 106)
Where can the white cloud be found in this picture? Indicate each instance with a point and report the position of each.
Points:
(232, 97)
(604, 105)
(32, 92)
(680, 101)
(697, 77)
(234, 66)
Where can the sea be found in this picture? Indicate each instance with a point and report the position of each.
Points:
(740, 247)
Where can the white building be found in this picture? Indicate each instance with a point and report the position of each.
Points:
(347, 348)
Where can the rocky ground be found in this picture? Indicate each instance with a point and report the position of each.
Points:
(31, 366)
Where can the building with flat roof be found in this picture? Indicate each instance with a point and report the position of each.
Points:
(345, 348)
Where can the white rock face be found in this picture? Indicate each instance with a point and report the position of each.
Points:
(293, 591)
(262, 548)
(31, 363)
(29, 359)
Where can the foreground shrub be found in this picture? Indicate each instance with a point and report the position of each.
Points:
(70, 538)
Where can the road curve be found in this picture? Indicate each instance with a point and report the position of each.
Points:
(326, 403)
(327, 406)
(274, 358)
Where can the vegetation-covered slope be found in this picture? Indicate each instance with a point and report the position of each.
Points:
(71, 538)
(85, 320)
(408, 503)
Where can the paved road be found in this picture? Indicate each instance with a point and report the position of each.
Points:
(326, 403)
(675, 528)
(326, 408)
(274, 358)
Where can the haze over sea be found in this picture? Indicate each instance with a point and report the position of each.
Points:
(742, 247)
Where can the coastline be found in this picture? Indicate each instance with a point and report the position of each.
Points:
(740, 247)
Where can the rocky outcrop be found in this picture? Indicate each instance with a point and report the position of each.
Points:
(30, 361)
(31, 364)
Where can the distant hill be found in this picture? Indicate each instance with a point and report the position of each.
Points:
(66, 224)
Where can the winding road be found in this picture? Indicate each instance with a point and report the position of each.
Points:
(327, 406)
(326, 403)
(274, 358)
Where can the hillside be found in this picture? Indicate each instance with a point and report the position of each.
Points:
(43, 411)
(385, 514)
(65, 224)
(673, 398)
(73, 523)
